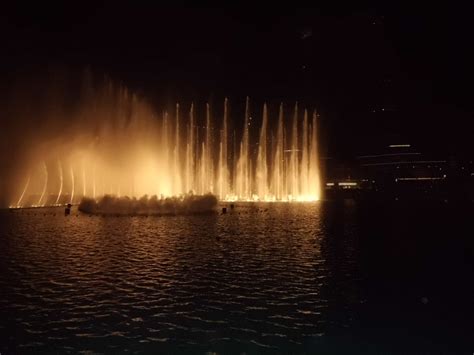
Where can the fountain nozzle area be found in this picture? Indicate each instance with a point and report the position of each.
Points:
(113, 205)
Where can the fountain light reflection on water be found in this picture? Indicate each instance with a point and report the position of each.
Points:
(116, 144)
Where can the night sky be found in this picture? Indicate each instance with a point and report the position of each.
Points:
(376, 76)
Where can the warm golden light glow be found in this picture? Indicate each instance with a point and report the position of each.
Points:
(347, 183)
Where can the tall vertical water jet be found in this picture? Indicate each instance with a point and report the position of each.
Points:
(293, 169)
(200, 170)
(304, 170)
(261, 169)
(235, 164)
(223, 178)
(314, 176)
(250, 182)
(208, 168)
(278, 179)
(189, 170)
(177, 188)
(242, 178)
(162, 185)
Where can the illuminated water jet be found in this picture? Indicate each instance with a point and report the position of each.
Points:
(93, 182)
(83, 179)
(262, 171)
(43, 192)
(279, 160)
(223, 177)
(18, 204)
(60, 182)
(72, 186)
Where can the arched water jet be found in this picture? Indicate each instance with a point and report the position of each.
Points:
(60, 182)
(45, 186)
(71, 201)
(18, 204)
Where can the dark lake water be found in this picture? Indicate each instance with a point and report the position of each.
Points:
(345, 277)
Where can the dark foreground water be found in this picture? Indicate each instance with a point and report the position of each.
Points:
(324, 278)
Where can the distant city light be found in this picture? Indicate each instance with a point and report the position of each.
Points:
(386, 155)
(406, 162)
(343, 184)
(419, 178)
(399, 146)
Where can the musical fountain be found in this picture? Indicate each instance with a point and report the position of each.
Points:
(115, 143)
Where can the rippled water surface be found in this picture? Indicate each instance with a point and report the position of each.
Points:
(328, 277)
